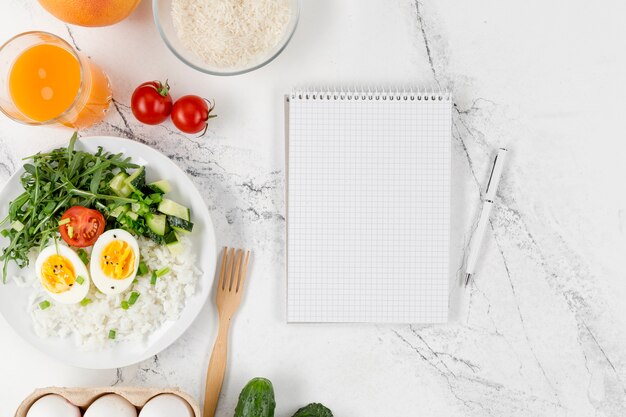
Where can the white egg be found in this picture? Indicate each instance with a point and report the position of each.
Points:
(53, 405)
(166, 405)
(62, 274)
(114, 261)
(111, 405)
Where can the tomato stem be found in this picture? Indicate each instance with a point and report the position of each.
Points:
(163, 89)
(211, 103)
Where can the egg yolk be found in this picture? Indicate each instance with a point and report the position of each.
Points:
(57, 274)
(117, 260)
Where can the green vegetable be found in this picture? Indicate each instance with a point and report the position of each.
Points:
(112, 334)
(119, 210)
(124, 305)
(142, 269)
(53, 182)
(162, 186)
(118, 185)
(17, 226)
(137, 180)
(85, 301)
(167, 206)
(64, 221)
(174, 245)
(65, 177)
(313, 410)
(133, 298)
(44, 304)
(179, 224)
(163, 271)
(256, 399)
(80, 280)
(153, 278)
(157, 223)
(82, 254)
(132, 215)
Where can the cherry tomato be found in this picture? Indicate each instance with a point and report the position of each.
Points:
(191, 113)
(151, 102)
(84, 227)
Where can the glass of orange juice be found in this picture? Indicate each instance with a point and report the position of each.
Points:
(43, 80)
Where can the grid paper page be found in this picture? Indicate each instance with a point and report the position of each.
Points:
(368, 209)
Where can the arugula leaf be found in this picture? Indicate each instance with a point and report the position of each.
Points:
(53, 182)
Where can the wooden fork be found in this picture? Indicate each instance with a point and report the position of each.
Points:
(229, 290)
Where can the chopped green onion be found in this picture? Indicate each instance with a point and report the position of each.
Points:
(125, 305)
(44, 304)
(80, 280)
(143, 268)
(153, 278)
(85, 301)
(133, 298)
(82, 254)
(64, 221)
(70, 231)
(17, 225)
(112, 334)
(135, 281)
(163, 271)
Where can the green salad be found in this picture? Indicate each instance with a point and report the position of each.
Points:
(111, 184)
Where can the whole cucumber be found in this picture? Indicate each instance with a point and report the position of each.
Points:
(256, 399)
(313, 410)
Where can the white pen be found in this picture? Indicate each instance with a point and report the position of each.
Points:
(481, 228)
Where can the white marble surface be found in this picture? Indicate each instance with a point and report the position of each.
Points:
(540, 333)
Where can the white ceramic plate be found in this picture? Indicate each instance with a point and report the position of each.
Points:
(14, 300)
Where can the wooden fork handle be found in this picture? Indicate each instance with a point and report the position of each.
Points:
(217, 368)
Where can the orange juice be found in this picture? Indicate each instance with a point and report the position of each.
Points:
(48, 82)
(44, 81)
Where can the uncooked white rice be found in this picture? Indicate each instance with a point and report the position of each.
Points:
(230, 33)
(90, 324)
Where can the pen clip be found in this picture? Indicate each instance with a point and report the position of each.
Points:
(493, 168)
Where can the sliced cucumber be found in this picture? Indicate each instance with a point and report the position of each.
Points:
(17, 225)
(170, 237)
(118, 185)
(157, 223)
(175, 246)
(172, 208)
(153, 236)
(179, 224)
(119, 210)
(156, 197)
(140, 208)
(162, 186)
(137, 179)
(132, 215)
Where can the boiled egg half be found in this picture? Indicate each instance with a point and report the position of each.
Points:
(114, 261)
(62, 274)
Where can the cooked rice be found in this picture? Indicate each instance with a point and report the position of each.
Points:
(90, 325)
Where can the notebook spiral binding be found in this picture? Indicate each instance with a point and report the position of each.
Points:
(366, 94)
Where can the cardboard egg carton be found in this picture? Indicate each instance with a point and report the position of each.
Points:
(84, 397)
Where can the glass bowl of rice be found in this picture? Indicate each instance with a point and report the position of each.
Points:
(226, 37)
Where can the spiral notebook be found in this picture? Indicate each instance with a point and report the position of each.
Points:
(368, 206)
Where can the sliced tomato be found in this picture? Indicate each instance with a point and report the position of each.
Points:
(83, 228)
